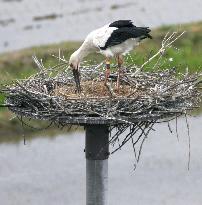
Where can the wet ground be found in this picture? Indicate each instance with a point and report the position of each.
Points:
(51, 170)
(25, 23)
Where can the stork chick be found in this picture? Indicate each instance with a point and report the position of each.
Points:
(112, 40)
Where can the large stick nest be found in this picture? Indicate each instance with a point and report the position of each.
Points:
(143, 96)
(146, 96)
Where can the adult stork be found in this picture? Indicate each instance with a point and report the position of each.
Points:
(112, 40)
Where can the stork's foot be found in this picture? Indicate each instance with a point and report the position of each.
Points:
(77, 80)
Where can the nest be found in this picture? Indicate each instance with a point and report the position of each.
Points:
(147, 96)
(143, 99)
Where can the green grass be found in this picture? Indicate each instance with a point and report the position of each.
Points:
(19, 64)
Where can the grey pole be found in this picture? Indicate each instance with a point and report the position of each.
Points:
(97, 153)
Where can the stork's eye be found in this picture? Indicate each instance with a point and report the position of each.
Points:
(71, 65)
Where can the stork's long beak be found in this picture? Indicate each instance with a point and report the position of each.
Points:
(77, 79)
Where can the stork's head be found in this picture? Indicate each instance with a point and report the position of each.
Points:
(74, 60)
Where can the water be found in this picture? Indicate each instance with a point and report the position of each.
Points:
(25, 23)
(51, 170)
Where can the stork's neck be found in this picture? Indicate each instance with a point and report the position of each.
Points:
(83, 51)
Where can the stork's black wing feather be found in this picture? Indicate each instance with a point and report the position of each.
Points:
(122, 34)
(121, 23)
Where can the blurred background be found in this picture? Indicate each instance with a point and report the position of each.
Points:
(50, 168)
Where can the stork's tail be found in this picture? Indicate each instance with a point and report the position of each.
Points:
(144, 32)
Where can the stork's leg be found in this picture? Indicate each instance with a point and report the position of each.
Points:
(120, 62)
(107, 72)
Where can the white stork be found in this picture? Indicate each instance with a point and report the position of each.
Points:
(112, 40)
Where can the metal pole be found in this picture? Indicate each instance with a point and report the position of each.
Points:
(97, 153)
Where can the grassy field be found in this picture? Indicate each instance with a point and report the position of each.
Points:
(187, 52)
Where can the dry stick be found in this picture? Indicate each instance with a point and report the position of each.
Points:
(132, 129)
(39, 65)
(121, 130)
(142, 133)
(134, 149)
(99, 65)
(23, 129)
(60, 59)
(179, 83)
(166, 43)
(141, 146)
(126, 139)
(157, 62)
(34, 128)
(189, 159)
(176, 128)
(169, 127)
(131, 134)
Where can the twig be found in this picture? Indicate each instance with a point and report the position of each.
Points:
(166, 43)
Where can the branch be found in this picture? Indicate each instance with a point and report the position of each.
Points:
(166, 43)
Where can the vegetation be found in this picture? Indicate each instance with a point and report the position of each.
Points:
(186, 53)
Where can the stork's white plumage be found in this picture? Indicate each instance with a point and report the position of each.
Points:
(112, 40)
